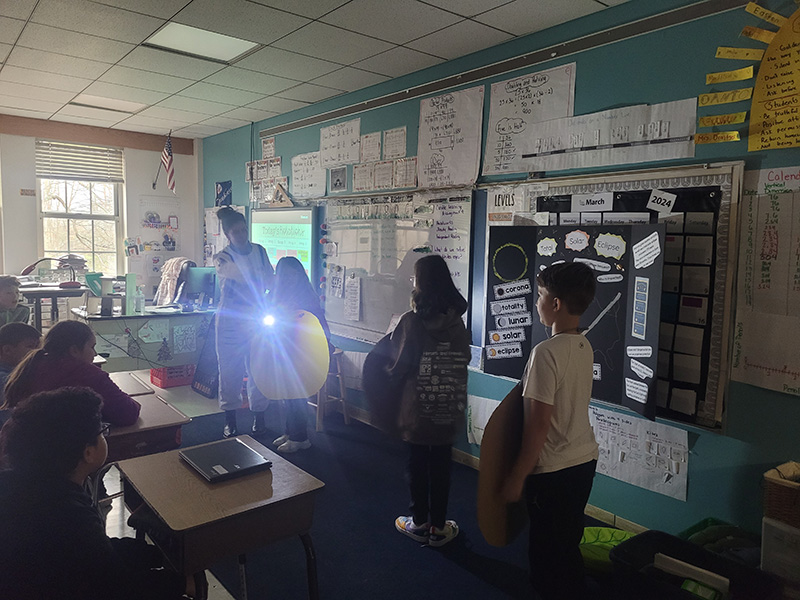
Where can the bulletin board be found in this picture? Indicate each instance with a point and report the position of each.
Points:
(699, 256)
(157, 239)
(372, 245)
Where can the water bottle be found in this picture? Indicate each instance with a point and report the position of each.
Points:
(138, 300)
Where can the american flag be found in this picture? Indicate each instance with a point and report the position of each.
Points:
(166, 160)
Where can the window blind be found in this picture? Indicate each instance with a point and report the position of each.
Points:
(78, 162)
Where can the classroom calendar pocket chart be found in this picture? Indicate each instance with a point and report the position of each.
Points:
(622, 323)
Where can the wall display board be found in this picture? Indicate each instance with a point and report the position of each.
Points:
(157, 239)
(285, 232)
(373, 243)
(621, 323)
(698, 206)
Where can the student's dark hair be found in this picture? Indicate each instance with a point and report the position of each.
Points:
(297, 292)
(63, 336)
(434, 291)
(12, 334)
(7, 281)
(572, 283)
(228, 217)
(47, 433)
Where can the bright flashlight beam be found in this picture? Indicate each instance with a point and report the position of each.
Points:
(269, 320)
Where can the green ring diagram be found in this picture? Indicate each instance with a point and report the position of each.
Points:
(494, 262)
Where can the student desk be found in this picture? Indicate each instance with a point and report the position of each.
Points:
(208, 522)
(54, 293)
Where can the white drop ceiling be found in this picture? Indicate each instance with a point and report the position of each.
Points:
(56, 54)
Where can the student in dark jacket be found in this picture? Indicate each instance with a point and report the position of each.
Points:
(54, 543)
(424, 361)
(65, 359)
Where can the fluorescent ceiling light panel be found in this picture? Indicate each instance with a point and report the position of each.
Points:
(108, 103)
(199, 42)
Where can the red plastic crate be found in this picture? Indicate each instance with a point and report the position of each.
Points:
(166, 377)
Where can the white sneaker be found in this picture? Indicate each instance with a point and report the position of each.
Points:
(439, 537)
(281, 440)
(292, 446)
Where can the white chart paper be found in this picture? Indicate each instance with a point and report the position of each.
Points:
(405, 172)
(371, 147)
(363, 177)
(394, 143)
(308, 177)
(267, 147)
(340, 144)
(352, 298)
(383, 175)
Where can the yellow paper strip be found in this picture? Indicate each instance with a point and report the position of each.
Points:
(728, 119)
(723, 76)
(758, 34)
(764, 14)
(724, 97)
(716, 138)
(739, 53)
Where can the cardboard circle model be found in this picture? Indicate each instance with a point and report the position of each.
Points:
(290, 359)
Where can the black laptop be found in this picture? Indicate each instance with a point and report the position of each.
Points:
(224, 460)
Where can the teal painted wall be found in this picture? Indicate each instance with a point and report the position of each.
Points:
(760, 426)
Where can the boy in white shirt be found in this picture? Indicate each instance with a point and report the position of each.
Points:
(558, 456)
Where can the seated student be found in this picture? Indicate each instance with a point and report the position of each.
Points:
(16, 341)
(65, 359)
(54, 541)
(11, 311)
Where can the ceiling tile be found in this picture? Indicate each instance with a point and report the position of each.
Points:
(163, 9)
(460, 39)
(17, 9)
(5, 50)
(124, 92)
(145, 79)
(198, 131)
(467, 8)
(40, 60)
(218, 93)
(251, 81)
(81, 120)
(34, 92)
(249, 114)
(522, 16)
(277, 105)
(10, 29)
(328, 42)
(92, 18)
(195, 105)
(138, 128)
(98, 114)
(163, 124)
(161, 112)
(350, 79)
(167, 63)
(82, 45)
(614, 2)
(308, 8)
(398, 61)
(224, 122)
(308, 92)
(20, 112)
(42, 79)
(240, 19)
(275, 61)
(29, 104)
(398, 21)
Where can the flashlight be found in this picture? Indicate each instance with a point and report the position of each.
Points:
(269, 320)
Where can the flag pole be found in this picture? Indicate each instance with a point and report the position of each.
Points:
(155, 181)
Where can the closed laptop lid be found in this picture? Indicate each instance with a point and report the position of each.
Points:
(224, 460)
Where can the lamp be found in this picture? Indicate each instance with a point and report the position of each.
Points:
(73, 284)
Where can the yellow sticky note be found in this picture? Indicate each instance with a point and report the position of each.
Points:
(723, 76)
(739, 53)
(716, 138)
(764, 14)
(724, 97)
(728, 119)
(758, 34)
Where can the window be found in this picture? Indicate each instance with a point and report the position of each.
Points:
(79, 190)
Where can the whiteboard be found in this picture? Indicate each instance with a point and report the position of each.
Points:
(377, 240)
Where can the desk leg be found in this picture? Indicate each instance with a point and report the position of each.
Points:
(37, 313)
(53, 311)
(242, 576)
(311, 567)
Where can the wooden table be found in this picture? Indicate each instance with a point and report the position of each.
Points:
(205, 522)
(54, 293)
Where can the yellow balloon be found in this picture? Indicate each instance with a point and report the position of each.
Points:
(290, 359)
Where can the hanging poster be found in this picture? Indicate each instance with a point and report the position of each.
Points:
(340, 144)
(450, 138)
(394, 143)
(308, 177)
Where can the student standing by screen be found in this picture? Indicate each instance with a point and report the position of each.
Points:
(245, 275)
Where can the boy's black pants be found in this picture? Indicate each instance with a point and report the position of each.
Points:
(428, 474)
(556, 502)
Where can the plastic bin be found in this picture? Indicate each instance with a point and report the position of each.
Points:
(633, 561)
(596, 544)
(166, 377)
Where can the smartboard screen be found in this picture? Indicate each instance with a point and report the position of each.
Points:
(284, 232)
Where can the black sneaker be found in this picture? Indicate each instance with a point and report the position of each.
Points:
(229, 431)
(258, 424)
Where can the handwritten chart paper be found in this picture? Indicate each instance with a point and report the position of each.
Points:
(649, 455)
(352, 299)
(450, 138)
(517, 103)
(394, 143)
(267, 147)
(340, 144)
(308, 177)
